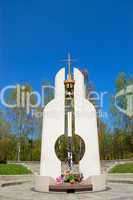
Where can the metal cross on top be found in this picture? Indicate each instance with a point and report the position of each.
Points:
(69, 60)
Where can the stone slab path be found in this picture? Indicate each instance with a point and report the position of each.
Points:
(24, 192)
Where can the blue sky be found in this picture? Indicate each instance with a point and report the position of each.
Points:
(36, 35)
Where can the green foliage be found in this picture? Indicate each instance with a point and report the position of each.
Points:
(4, 126)
(36, 153)
(13, 169)
(4, 149)
(121, 81)
(30, 148)
(122, 168)
(120, 141)
(70, 178)
(25, 126)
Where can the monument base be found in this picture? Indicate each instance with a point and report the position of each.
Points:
(93, 183)
(98, 182)
(42, 183)
(70, 188)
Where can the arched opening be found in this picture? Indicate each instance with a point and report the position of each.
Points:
(77, 146)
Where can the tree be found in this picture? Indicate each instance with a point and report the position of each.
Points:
(102, 127)
(4, 126)
(7, 141)
(122, 124)
(19, 118)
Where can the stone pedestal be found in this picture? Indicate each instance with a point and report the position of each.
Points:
(98, 182)
(41, 183)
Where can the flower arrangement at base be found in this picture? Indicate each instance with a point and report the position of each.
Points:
(69, 177)
(72, 178)
(59, 180)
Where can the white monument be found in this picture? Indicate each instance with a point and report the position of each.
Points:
(85, 125)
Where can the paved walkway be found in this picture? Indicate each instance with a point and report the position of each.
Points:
(117, 191)
(24, 192)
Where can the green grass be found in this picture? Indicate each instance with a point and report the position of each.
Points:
(122, 168)
(13, 169)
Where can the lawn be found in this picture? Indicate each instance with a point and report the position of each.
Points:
(122, 168)
(13, 169)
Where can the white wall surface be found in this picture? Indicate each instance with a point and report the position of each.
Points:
(53, 127)
(86, 127)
